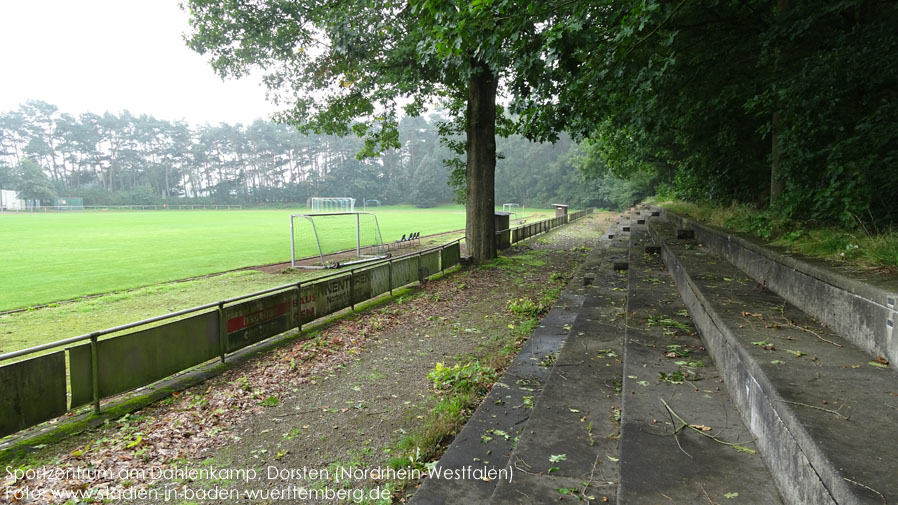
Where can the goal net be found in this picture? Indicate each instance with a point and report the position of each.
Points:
(331, 240)
(514, 212)
(331, 204)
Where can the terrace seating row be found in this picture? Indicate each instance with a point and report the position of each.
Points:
(678, 378)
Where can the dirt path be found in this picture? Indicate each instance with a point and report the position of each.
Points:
(338, 400)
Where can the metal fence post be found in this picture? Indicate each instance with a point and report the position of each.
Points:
(299, 301)
(358, 240)
(420, 271)
(222, 332)
(95, 372)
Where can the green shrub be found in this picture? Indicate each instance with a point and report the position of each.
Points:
(472, 377)
(525, 307)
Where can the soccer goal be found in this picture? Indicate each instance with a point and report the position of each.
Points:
(514, 212)
(331, 204)
(334, 239)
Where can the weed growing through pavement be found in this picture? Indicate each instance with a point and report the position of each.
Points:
(461, 388)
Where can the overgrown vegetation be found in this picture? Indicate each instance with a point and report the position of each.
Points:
(862, 245)
(787, 106)
(461, 388)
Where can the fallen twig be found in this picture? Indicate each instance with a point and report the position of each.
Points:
(712, 502)
(671, 413)
(812, 332)
(693, 427)
(591, 474)
(518, 461)
(868, 488)
(524, 495)
(833, 412)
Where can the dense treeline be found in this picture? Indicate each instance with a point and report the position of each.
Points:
(128, 159)
(786, 104)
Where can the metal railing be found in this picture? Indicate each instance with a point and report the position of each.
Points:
(43, 387)
(505, 238)
(93, 371)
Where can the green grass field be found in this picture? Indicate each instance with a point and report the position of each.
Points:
(50, 257)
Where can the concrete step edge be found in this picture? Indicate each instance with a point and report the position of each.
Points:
(873, 308)
(574, 416)
(657, 463)
(793, 448)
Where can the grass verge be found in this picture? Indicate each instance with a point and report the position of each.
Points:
(859, 247)
(462, 387)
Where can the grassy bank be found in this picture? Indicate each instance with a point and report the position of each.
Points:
(862, 247)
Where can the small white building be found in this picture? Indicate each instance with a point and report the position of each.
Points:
(9, 200)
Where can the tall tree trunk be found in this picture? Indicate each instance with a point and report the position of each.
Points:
(776, 180)
(480, 227)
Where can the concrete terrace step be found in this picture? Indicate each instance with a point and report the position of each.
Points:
(506, 408)
(819, 410)
(862, 306)
(823, 411)
(682, 440)
(568, 449)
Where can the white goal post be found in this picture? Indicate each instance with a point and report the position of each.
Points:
(334, 239)
(514, 212)
(331, 204)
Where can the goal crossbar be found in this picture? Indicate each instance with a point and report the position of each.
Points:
(334, 246)
(331, 203)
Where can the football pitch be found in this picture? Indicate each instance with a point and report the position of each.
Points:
(58, 256)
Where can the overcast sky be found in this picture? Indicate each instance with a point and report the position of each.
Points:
(111, 55)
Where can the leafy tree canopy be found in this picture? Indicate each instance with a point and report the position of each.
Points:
(341, 67)
(737, 101)
(32, 182)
